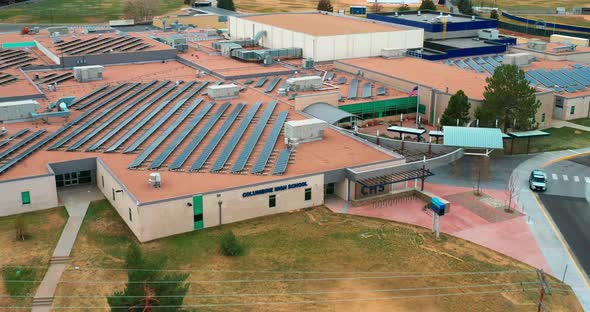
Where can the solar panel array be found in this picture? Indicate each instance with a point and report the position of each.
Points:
(271, 141)
(129, 119)
(330, 76)
(206, 153)
(153, 113)
(18, 134)
(367, 93)
(98, 45)
(380, 91)
(89, 95)
(179, 161)
(272, 85)
(561, 80)
(247, 151)
(260, 82)
(20, 144)
(164, 135)
(235, 139)
(157, 163)
(116, 116)
(481, 64)
(14, 58)
(282, 161)
(103, 113)
(98, 98)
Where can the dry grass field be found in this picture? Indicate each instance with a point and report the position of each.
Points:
(289, 258)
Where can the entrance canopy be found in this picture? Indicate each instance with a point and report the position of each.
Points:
(329, 113)
(528, 135)
(413, 174)
(405, 130)
(474, 138)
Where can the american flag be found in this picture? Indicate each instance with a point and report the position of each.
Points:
(414, 91)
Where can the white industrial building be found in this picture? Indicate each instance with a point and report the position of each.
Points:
(325, 37)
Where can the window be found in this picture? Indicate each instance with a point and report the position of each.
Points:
(59, 180)
(572, 110)
(25, 197)
(198, 218)
(130, 215)
(113, 194)
(543, 117)
(272, 201)
(308, 194)
(329, 189)
(85, 176)
(102, 178)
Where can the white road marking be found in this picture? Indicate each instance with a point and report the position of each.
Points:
(576, 179)
(587, 179)
(554, 176)
(565, 178)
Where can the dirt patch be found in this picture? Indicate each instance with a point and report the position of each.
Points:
(484, 206)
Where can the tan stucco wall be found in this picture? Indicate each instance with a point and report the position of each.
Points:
(303, 101)
(547, 103)
(340, 189)
(122, 201)
(42, 190)
(204, 21)
(582, 107)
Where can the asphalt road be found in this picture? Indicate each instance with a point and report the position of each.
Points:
(567, 201)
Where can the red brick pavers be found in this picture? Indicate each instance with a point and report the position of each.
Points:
(507, 235)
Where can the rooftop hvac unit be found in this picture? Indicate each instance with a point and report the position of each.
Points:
(223, 92)
(488, 34)
(304, 83)
(518, 59)
(302, 131)
(537, 45)
(155, 180)
(88, 73)
(308, 63)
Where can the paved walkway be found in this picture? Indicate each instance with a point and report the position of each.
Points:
(562, 123)
(76, 200)
(550, 241)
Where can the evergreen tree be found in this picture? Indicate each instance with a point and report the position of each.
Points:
(494, 14)
(230, 5)
(325, 5)
(427, 5)
(465, 7)
(139, 293)
(508, 97)
(458, 108)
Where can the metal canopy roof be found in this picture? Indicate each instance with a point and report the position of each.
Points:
(406, 130)
(328, 113)
(413, 174)
(476, 138)
(528, 134)
(435, 133)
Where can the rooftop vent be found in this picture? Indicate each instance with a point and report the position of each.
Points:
(155, 180)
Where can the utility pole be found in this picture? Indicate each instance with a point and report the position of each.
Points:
(544, 289)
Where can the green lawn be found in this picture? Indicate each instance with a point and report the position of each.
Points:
(582, 121)
(315, 240)
(28, 259)
(73, 11)
(560, 139)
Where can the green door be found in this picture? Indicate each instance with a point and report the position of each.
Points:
(198, 212)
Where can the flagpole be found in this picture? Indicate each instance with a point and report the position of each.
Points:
(417, 103)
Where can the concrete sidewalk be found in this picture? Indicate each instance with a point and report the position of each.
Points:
(76, 199)
(548, 237)
(563, 123)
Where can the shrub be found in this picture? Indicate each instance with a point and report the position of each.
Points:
(230, 246)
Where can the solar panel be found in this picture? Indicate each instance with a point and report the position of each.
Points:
(329, 76)
(94, 119)
(553, 78)
(535, 75)
(179, 161)
(499, 58)
(129, 119)
(29, 151)
(367, 90)
(235, 139)
(381, 91)
(271, 141)
(108, 93)
(89, 95)
(163, 136)
(491, 61)
(153, 113)
(342, 80)
(292, 96)
(489, 68)
(260, 82)
(21, 143)
(272, 85)
(200, 162)
(282, 161)
(115, 116)
(353, 88)
(248, 81)
(531, 80)
(474, 65)
(157, 163)
(569, 81)
(461, 64)
(156, 126)
(253, 139)
(579, 77)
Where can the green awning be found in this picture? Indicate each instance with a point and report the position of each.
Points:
(476, 138)
(528, 134)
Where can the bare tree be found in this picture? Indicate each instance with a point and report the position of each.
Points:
(512, 189)
(20, 227)
(376, 7)
(141, 10)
